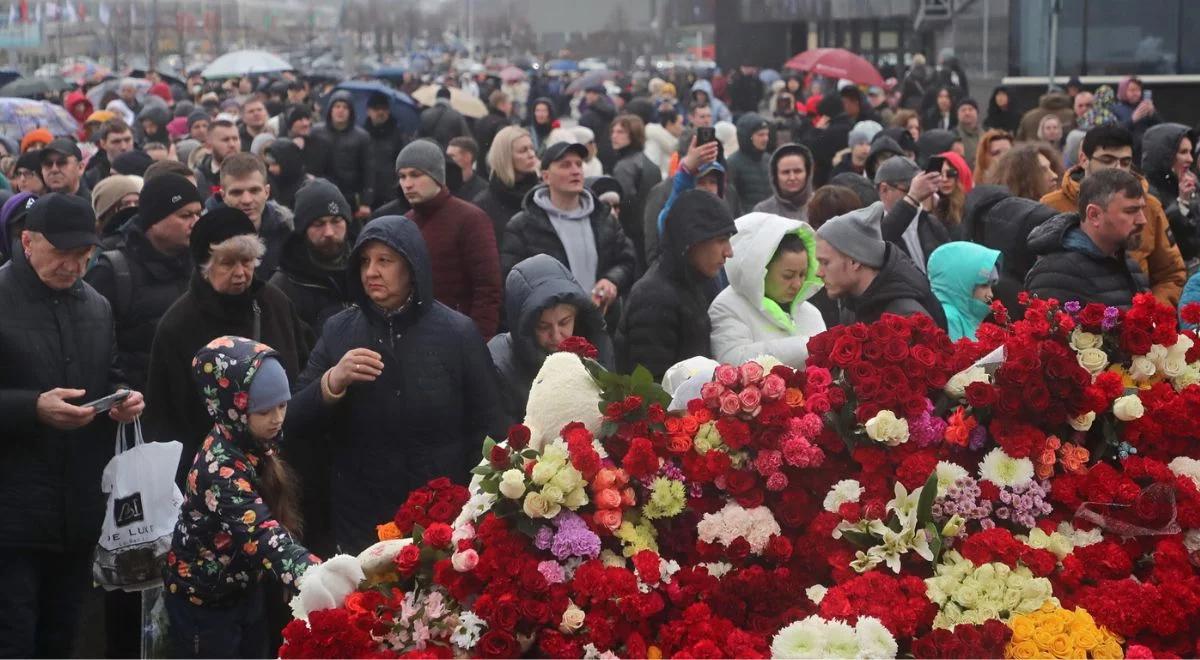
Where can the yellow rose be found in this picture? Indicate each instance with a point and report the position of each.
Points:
(1092, 359)
(1108, 649)
(1081, 340)
(1022, 627)
(1085, 637)
(1045, 634)
(1061, 646)
(1023, 650)
(1128, 408)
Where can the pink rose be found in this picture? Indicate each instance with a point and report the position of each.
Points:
(817, 379)
(726, 375)
(465, 560)
(608, 498)
(608, 518)
(750, 398)
(773, 388)
(711, 393)
(751, 372)
(730, 404)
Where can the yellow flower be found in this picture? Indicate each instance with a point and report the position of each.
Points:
(1045, 634)
(1023, 651)
(1061, 646)
(1022, 627)
(1109, 648)
(249, 517)
(1086, 638)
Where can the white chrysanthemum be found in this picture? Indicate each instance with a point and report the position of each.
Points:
(718, 569)
(846, 490)
(1004, 470)
(802, 639)
(756, 525)
(470, 629)
(840, 640)
(947, 474)
(1182, 466)
(874, 639)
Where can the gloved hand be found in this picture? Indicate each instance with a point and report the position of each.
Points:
(326, 586)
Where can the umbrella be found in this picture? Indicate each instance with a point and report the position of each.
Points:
(19, 116)
(390, 73)
(404, 109)
(768, 76)
(836, 63)
(511, 74)
(468, 105)
(589, 79)
(562, 65)
(34, 87)
(97, 93)
(245, 62)
(8, 75)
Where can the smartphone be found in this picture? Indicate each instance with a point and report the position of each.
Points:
(705, 134)
(935, 163)
(1147, 95)
(104, 404)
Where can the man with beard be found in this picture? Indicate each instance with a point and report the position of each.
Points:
(313, 267)
(1083, 255)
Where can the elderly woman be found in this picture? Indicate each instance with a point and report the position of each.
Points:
(223, 298)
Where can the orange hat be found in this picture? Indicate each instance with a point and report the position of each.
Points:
(36, 135)
(100, 116)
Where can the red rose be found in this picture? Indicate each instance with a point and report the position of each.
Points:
(740, 481)
(895, 350)
(498, 644)
(579, 346)
(518, 436)
(981, 395)
(438, 535)
(499, 457)
(442, 511)
(408, 559)
(441, 483)
(816, 379)
(846, 351)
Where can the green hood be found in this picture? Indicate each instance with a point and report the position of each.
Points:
(955, 269)
(754, 244)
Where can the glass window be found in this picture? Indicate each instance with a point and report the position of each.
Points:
(1030, 42)
(1133, 37)
(889, 40)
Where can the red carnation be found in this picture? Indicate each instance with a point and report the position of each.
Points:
(408, 559)
(640, 460)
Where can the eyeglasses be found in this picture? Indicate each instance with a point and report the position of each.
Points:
(951, 173)
(50, 164)
(1110, 161)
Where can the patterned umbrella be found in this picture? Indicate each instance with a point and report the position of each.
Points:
(19, 116)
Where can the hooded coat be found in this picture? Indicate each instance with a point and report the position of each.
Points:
(1056, 103)
(291, 172)
(349, 159)
(1005, 226)
(955, 269)
(539, 133)
(387, 139)
(637, 174)
(666, 314)
(1159, 145)
(745, 322)
(997, 117)
(794, 208)
(218, 552)
(720, 111)
(160, 117)
(899, 288)
(598, 117)
(882, 145)
(442, 123)
(660, 146)
(749, 170)
(501, 202)
(424, 417)
(318, 292)
(1157, 255)
(1071, 267)
(532, 286)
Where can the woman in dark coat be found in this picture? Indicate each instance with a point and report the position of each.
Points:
(514, 165)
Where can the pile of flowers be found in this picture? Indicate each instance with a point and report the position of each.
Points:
(1032, 493)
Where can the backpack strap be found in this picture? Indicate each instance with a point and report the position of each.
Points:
(123, 278)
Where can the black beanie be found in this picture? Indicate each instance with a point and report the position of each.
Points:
(198, 115)
(30, 160)
(132, 163)
(319, 198)
(217, 226)
(163, 195)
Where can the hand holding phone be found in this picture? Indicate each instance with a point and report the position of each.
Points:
(705, 134)
(935, 164)
(105, 403)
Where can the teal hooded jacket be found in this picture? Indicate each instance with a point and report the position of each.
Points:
(955, 269)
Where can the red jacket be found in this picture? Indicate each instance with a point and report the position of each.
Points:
(466, 263)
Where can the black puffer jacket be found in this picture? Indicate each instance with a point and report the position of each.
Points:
(534, 285)
(156, 281)
(666, 314)
(424, 417)
(1071, 267)
(1159, 145)
(350, 165)
(50, 495)
(899, 288)
(749, 168)
(291, 172)
(598, 117)
(442, 123)
(637, 176)
(1005, 227)
(530, 232)
(318, 293)
(501, 202)
(386, 142)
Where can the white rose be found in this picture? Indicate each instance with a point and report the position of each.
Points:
(537, 506)
(544, 471)
(1142, 368)
(1081, 340)
(1128, 408)
(512, 484)
(1092, 359)
(1174, 366)
(575, 499)
(1083, 422)
(956, 388)
(1190, 376)
(572, 619)
(886, 428)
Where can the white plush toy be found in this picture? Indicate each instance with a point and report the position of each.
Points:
(326, 586)
(377, 559)
(563, 392)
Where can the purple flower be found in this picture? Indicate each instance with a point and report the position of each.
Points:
(1073, 307)
(1111, 314)
(978, 436)
(576, 542)
(543, 538)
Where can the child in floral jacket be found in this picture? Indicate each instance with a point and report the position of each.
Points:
(240, 510)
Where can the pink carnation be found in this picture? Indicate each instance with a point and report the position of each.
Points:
(777, 482)
(768, 462)
(799, 452)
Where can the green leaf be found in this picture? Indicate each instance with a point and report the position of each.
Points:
(641, 375)
(925, 503)
(861, 539)
(488, 443)
(935, 541)
(418, 533)
(490, 486)
(482, 470)
(529, 453)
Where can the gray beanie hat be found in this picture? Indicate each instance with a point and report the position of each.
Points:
(424, 155)
(896, 169)
(857, 235)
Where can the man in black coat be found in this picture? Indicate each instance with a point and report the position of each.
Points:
(149, 271)
(115, 138)
(1083, 256)
(903, 189)
(386, 142)
(441, 123)
(499, 115)
(349, 164)
(598, 116)
(56, 339)
(404, 383)
(666, 315)
(312, 271)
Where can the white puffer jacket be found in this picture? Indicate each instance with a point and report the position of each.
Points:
(744, 324)
(660, 146)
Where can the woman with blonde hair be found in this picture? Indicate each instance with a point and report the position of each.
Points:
(514, 166)
(1029, 170)
(994, 144)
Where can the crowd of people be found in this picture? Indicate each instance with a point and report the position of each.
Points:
(256, 261)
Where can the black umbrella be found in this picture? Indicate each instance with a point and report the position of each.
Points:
(34, 87)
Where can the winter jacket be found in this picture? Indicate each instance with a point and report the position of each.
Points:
(1056, 103)
(98, 169)
(425, 416)
(155, 282)
(660, 146)
(1006, 227)
(532, 286)
(898, 288)
(882, 145)
(970, 142)
(74, 98)
(659, 198)
(1159, 145)
(443, 123)
(174, 406)
(745, 322)
(598, 117)
(465, 262)
(934, 119)
(637, 174)
(934, 142)
(501, 202)
(539, 133)
(318, 291)
(292, 173)
(50, 495)
(349, 148)
(795, 208)
(749, 169)
(472, 188)
(1071, 267)
(955, 269)
(745, 92)
(227, 537)
(997, 117)
(207, 180)
(1157, 256)
(387, 139)
(159, 116)
(486, 129)
(720, 111)
(666, 314)
(825, 143)
(275, 228)
(931, 233)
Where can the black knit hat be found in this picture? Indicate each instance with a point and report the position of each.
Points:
(163, 195)
(217, 226)
(319, 198)
(132, 162)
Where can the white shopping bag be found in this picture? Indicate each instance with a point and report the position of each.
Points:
(143, 507)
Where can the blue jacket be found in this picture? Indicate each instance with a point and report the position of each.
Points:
(1191, 294)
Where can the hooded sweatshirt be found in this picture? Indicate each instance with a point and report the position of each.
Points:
(794, 207)
(291, 172)
(955, 269)
(749, 168)
(1159, 145)
(160, 117)
(745, 322)
(574, 229)
(720, 111)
